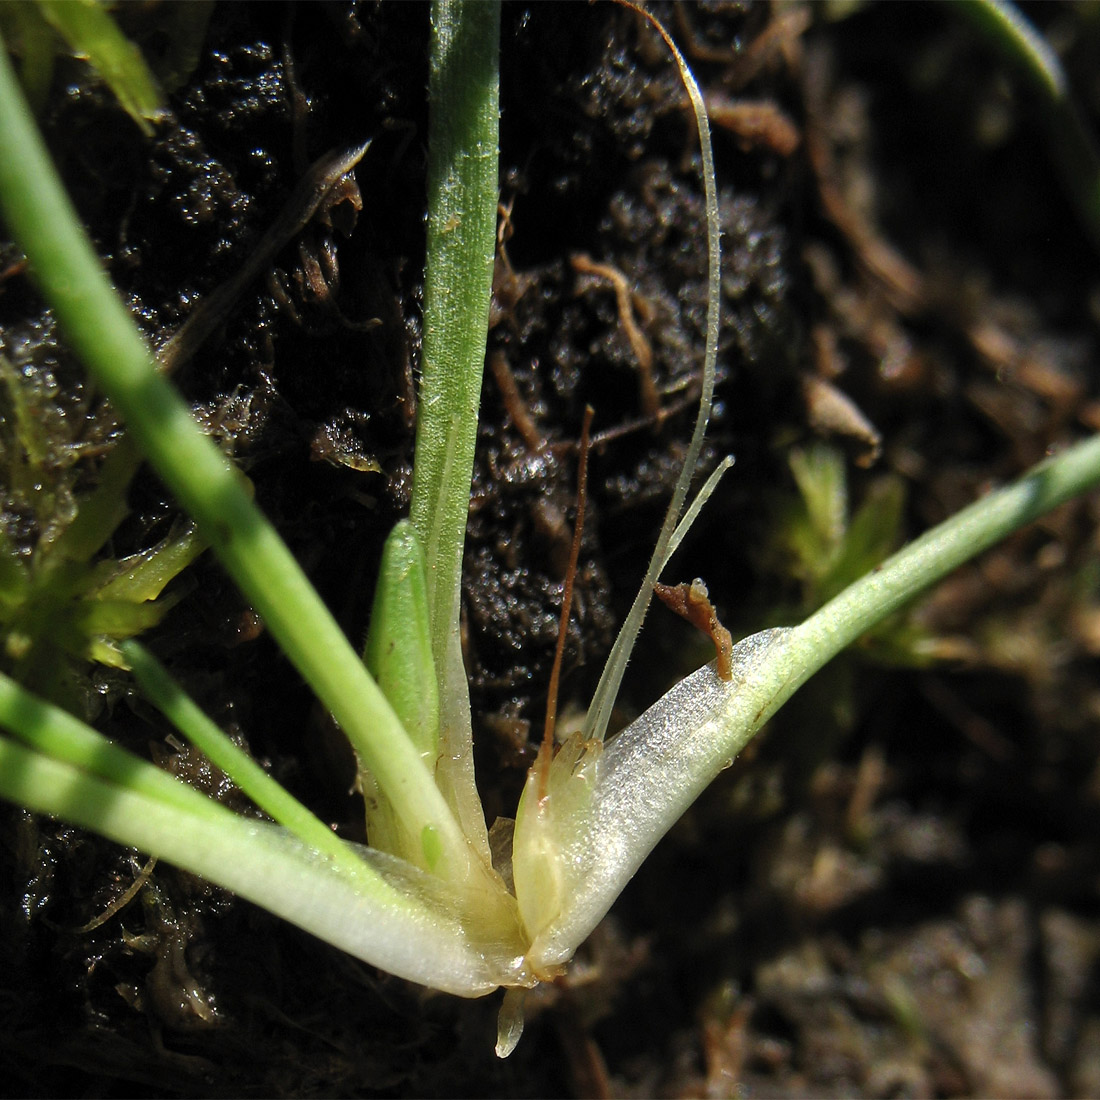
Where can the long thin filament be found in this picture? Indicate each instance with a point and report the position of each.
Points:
(599, 712)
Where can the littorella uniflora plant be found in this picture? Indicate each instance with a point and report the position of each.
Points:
(425, 900)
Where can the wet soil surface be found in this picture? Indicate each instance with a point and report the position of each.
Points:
(894, 892)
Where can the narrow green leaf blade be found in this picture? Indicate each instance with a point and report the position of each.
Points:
(398, 651)
(92, 34)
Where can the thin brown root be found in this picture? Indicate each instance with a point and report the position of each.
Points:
(626, 301)
(601, 439)
(514, 404)
(546, 749)
(902, 283)
(120, 902)
(757, 124)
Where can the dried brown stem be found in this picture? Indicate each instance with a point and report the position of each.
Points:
(692, 601)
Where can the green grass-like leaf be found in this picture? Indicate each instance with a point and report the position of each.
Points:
(91, 33)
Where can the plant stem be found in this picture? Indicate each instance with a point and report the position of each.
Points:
(878, 594)
(463, 96)
(395, 925)
(96, 322)
(57, 734)
(607, 690)
(274, 799)
(654, 769)
(463, 129)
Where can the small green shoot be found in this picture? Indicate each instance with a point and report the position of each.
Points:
(58, 607)
(820, 542)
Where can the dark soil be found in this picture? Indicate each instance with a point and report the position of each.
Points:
(895, 891)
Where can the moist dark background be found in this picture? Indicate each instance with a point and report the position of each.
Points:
(894, 893)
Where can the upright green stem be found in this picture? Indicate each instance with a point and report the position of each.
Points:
(463, 98)
(462, 203)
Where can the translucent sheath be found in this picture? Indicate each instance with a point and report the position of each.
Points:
(620, 798)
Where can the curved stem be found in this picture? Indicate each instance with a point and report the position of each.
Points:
(654, 769)
(1073, 144)
(880, 593)
(392, 922)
